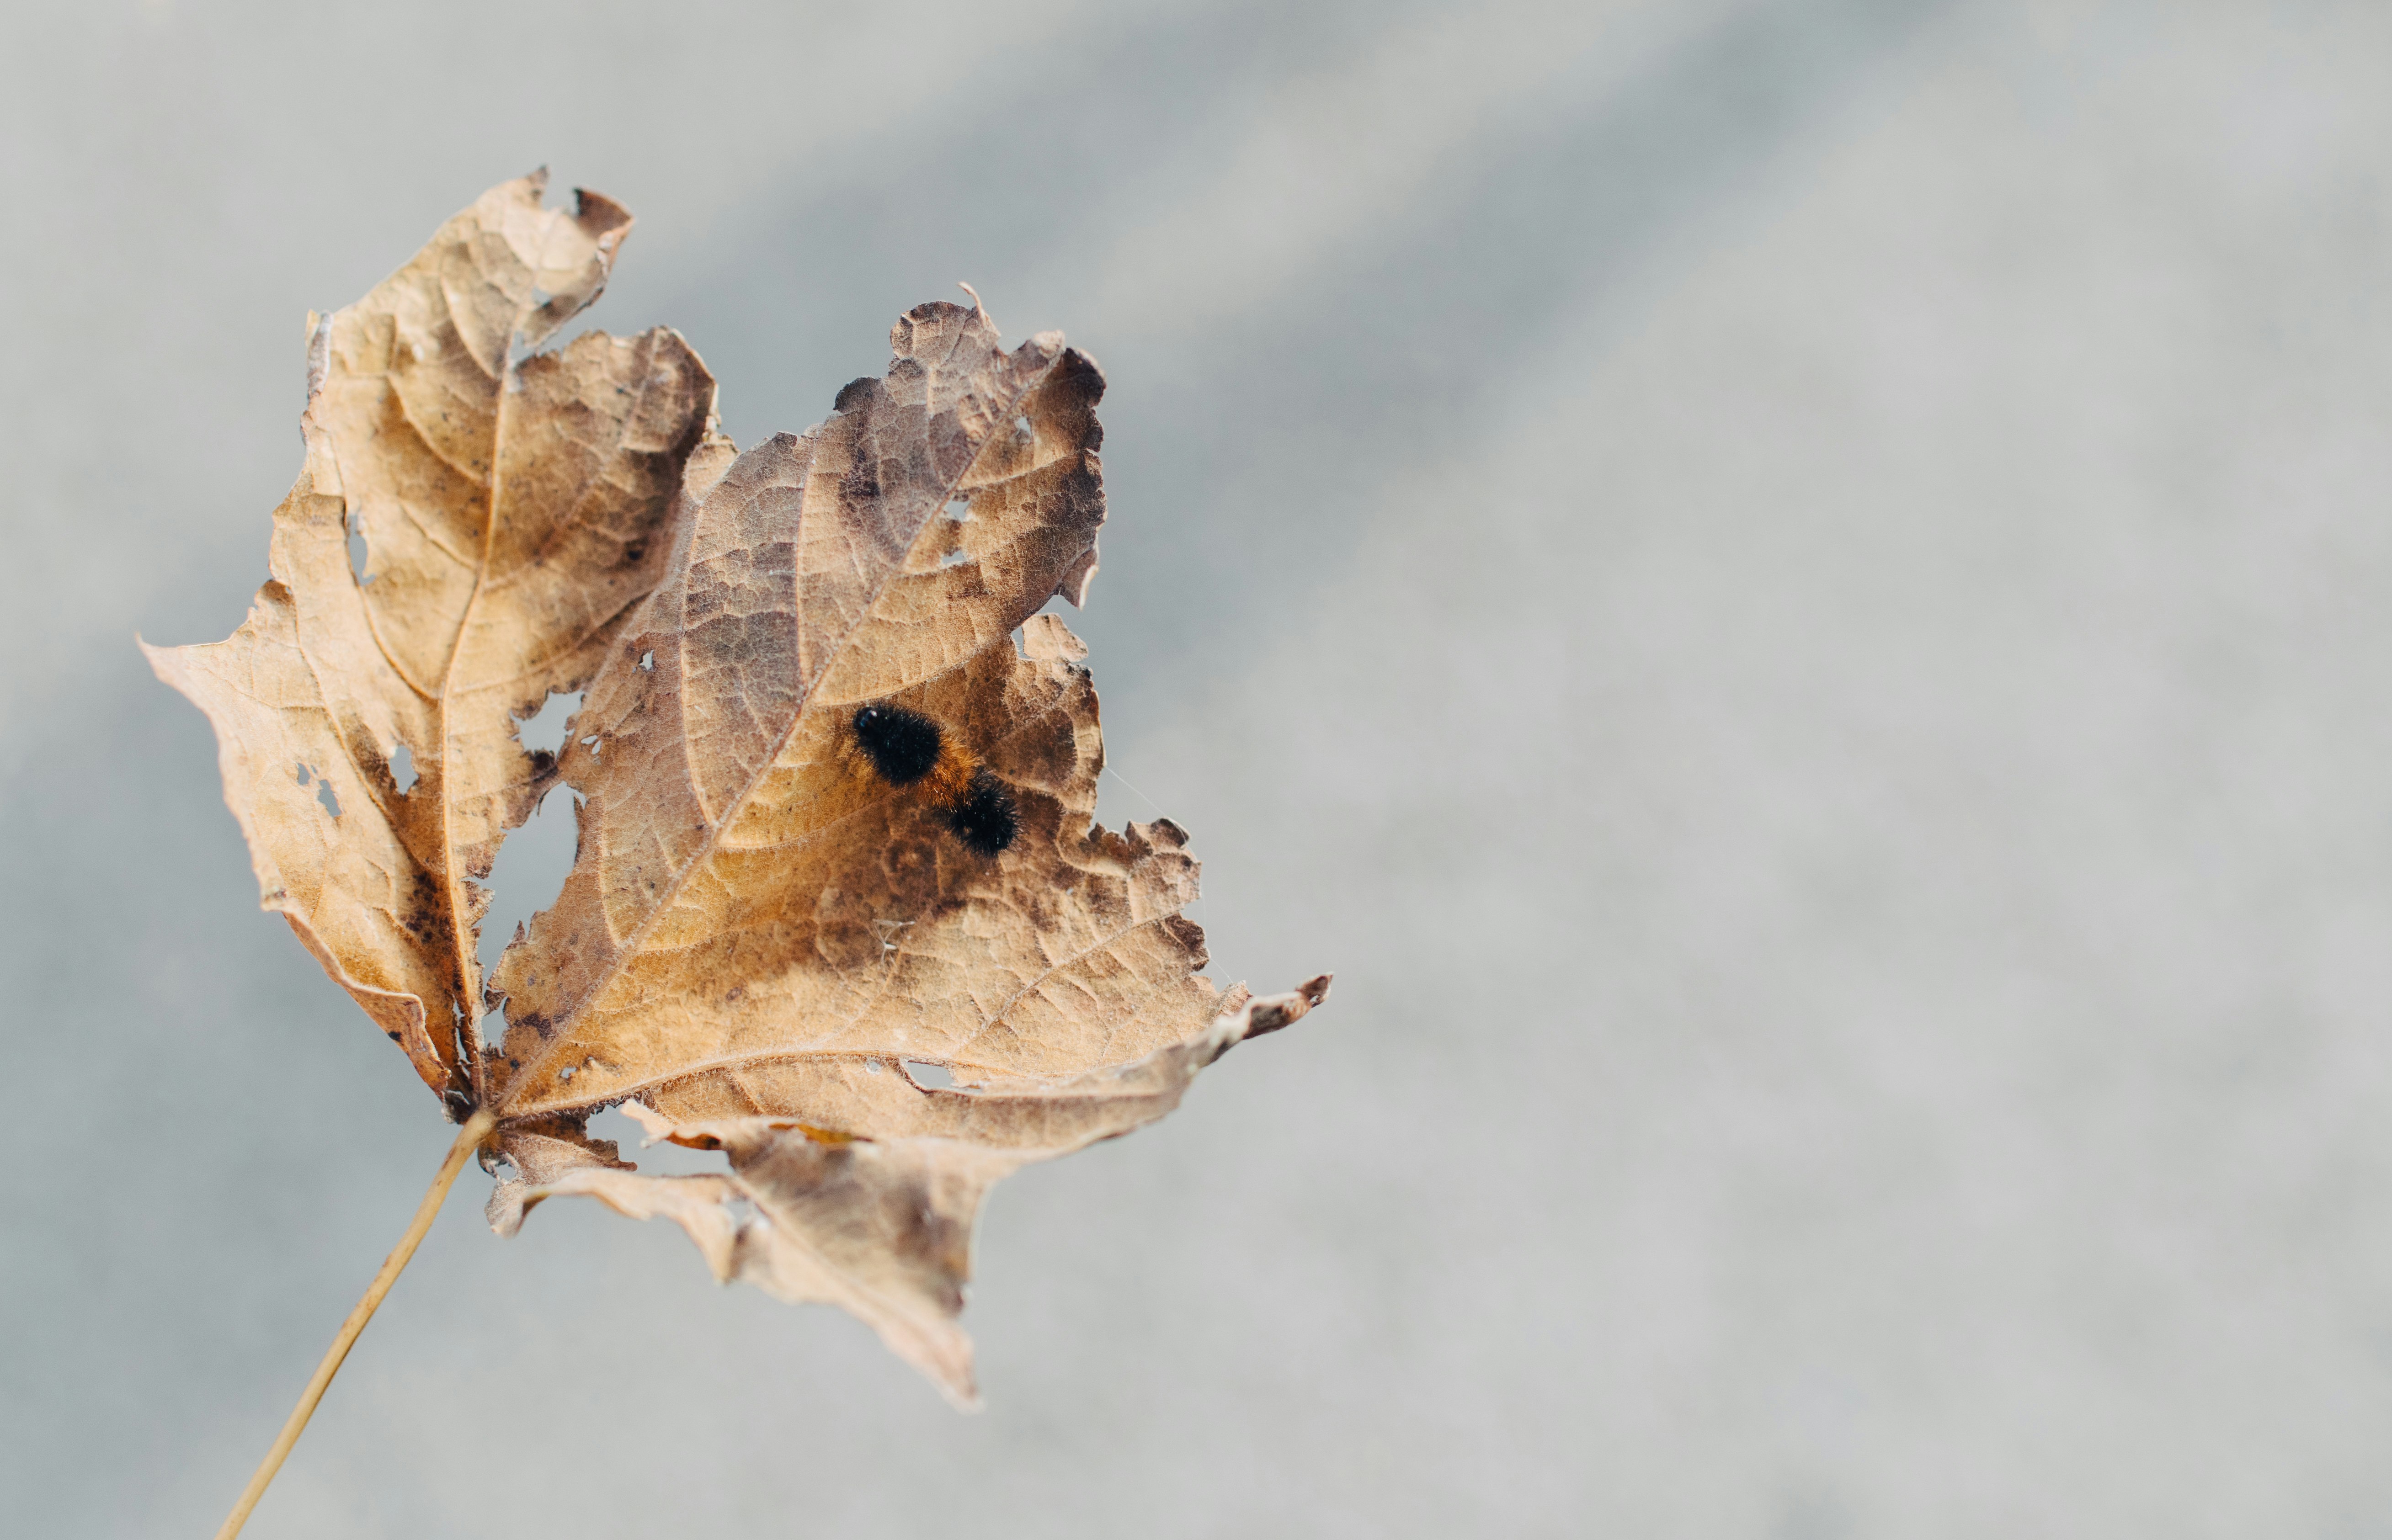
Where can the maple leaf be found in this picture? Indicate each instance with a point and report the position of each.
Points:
(764, 924)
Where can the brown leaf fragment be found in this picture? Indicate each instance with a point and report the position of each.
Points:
(770, 927)
(883, 1227)
(514, 509)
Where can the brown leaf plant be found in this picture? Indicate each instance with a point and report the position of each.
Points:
(834, 774)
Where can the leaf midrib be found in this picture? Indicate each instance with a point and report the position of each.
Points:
(466, 1019)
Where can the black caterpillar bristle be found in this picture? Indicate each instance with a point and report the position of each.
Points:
(984, 820)
(901, 745)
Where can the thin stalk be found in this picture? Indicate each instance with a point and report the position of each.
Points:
(476, 1128)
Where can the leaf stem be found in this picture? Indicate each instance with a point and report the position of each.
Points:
(469, 1137)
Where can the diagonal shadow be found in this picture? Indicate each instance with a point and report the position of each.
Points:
(1254, 454)
(988, 187)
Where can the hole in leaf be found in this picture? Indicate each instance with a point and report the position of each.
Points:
(661, 1159)
(358, 552)
(1022, 426)
(954, 559)
(305, 772)
(930, 1077)
(519, 346)
(872, 1067)
(402, 768)
(545, 727)
(648, 660)
(591, 743)
(960, 509)
(529, 874)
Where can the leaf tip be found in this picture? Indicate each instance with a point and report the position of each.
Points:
(1073, 588)
(1260, 1015)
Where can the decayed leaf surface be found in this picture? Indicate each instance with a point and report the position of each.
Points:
(758, 933)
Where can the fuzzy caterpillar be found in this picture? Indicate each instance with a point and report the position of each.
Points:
(908, 750)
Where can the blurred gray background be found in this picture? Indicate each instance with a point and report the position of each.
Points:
(1794, 595)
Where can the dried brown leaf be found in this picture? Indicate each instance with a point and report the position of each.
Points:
(758, 933)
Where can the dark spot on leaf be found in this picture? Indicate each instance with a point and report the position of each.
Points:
(902, 745)
(985, 820)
